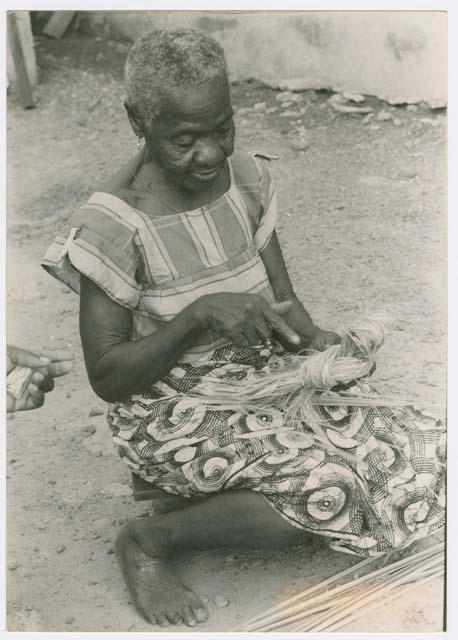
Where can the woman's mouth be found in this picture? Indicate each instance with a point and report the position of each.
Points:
(206, 176)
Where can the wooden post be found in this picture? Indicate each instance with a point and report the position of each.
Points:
(23, 85)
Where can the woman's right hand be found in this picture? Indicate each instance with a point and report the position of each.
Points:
(243, 318)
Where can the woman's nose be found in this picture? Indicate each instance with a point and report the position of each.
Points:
(209, 153)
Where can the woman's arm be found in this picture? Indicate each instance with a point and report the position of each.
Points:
(297, 317)
(118, 366)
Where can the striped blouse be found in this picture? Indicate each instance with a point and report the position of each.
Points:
(156, 265)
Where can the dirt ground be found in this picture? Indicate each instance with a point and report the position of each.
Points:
(363, 227)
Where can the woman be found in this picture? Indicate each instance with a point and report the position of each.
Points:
(181, 275)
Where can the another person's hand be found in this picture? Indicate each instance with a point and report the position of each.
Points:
(244, 318)
(46, 366)
(324, 339)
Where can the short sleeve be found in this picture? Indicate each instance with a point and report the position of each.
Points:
(102, 247)
(268, 218)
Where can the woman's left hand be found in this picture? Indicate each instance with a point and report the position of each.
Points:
(324, 339)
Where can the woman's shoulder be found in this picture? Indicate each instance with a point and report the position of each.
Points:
(248, 165)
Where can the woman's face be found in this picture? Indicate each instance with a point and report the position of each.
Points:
(194, 134)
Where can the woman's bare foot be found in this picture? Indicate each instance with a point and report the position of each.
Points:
(156, 592)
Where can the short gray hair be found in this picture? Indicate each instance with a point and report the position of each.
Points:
(166, 58)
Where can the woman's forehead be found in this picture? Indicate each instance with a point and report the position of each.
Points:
(208, 102)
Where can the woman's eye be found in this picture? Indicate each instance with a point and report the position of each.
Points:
(184, 143)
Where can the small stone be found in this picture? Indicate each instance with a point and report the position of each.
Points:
(434, 122)
(412, 107)
(88, 430)
(243, 111)
(367, 119)
(260, 106)
(13, 565)
(205, 599)
(271, 110)
(437, 104)
(397, 122)
(353, 97)
(68, 395)
(60, 548)
(299, 145)
(96, 412)
(384, 116)
(289, 114)
(375, 127)
(121, 47)
(117, 490)
(110, 551)
(408, 174)
(220, 601)
(69, 620)
(42, 296)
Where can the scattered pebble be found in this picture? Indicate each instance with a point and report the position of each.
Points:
(397, 122)
(353, 97)
(96, 412)
(13, 565)
(367, 118)
(289, 113)
(434, 122)
(243, 111)
(88, 430)
(60, 548)
(260, 106)
(384, 116)
(68, 395)
(437, 104)
(220, 601)
(121, 47)
(117, 490)
(110, 551)
(272, 110)
(412, 107)
(409, 174)
(299, 145)
(375, 127)
(205, 599)
(69, 620)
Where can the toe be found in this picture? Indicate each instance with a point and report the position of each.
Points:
(174, 617)
(161, 619)
(200, 613)
(189, 617)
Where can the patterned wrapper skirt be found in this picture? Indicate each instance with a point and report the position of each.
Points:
(376, 482)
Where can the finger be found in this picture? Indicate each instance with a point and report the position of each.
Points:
(38, 377)
(263, 330)
(281, 307)
(249, 331)
(23, 358)
(35, 398)
(277, 323)
(57, 369)
(58, 355)
(239, 339)
(47, 385)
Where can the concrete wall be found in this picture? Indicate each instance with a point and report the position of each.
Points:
(394, 55)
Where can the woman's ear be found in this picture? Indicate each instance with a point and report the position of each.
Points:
(134, 121)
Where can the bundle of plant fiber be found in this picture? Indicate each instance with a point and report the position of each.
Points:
(294, 383)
